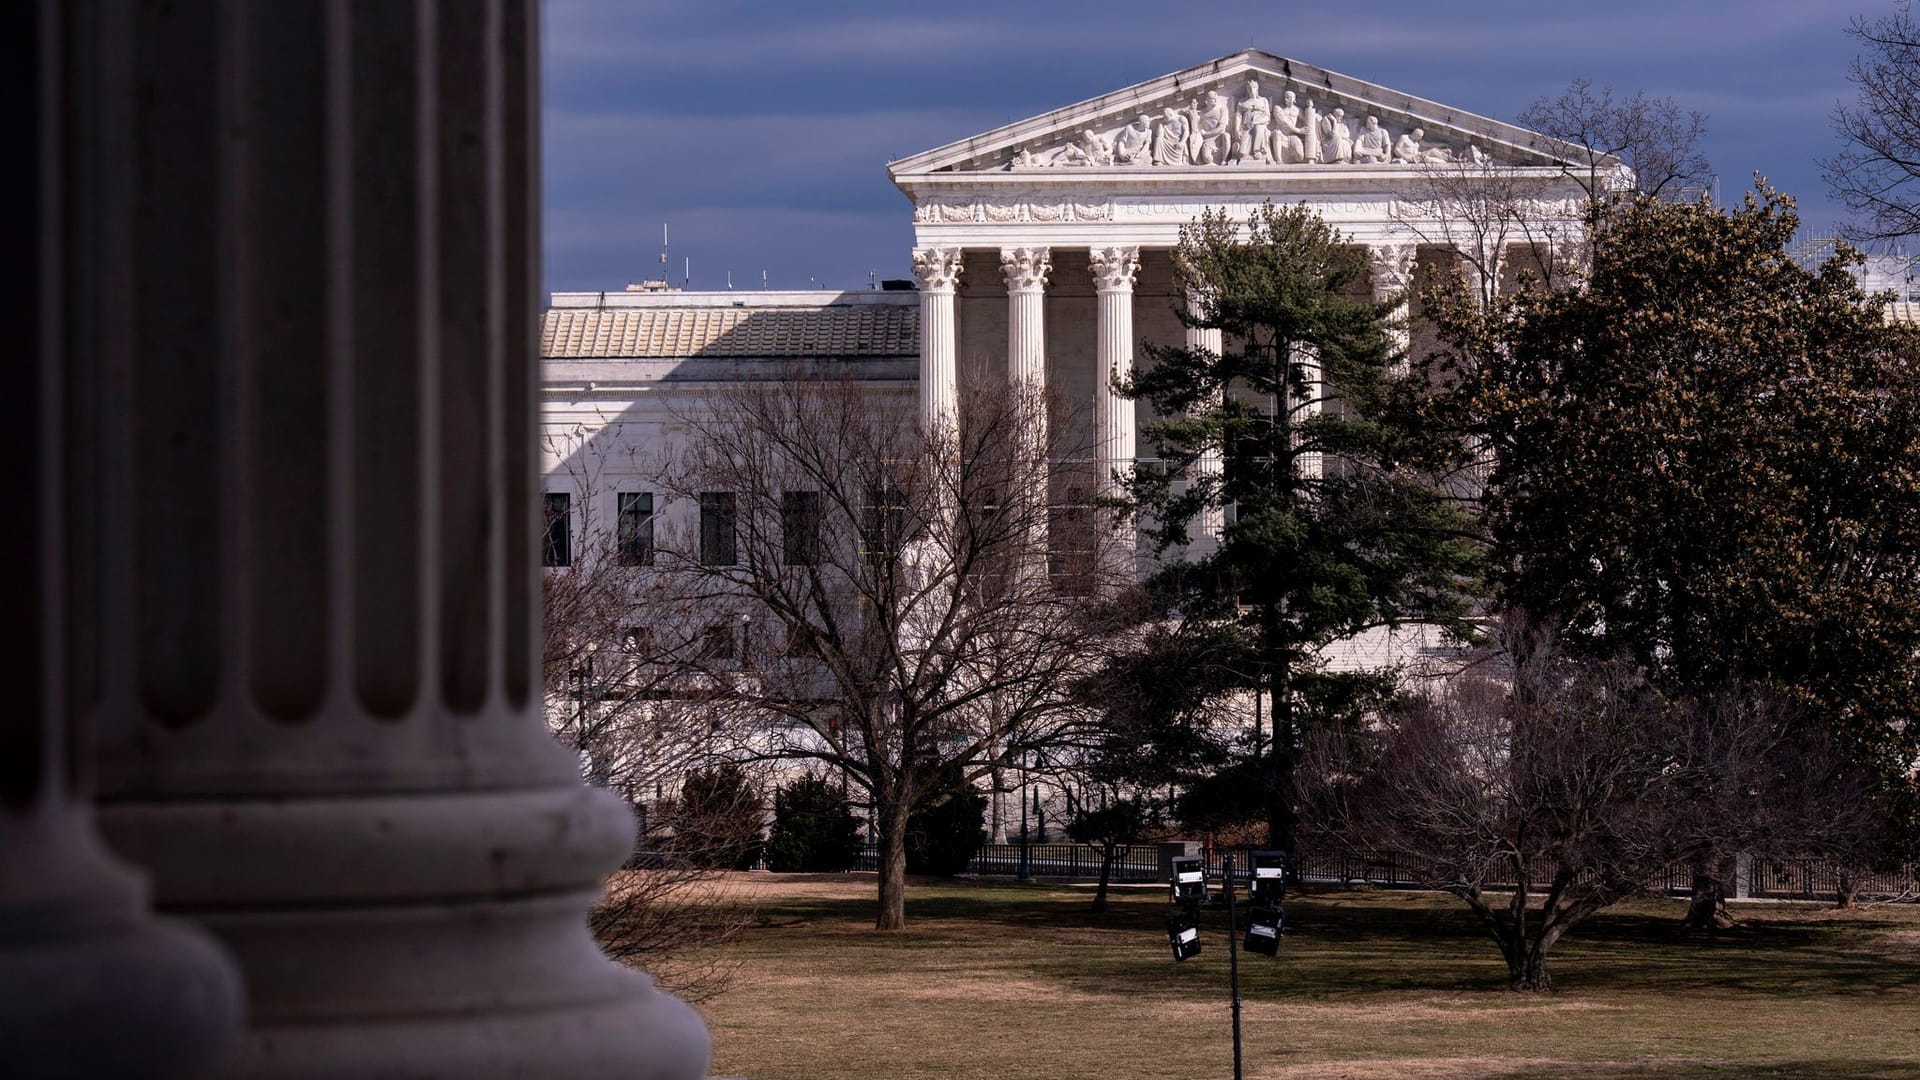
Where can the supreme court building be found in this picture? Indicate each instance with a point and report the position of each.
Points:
(1043, 253)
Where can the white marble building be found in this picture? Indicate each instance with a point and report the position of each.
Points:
(1042, 252)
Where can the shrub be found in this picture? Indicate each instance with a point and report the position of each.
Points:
(943, 836)
(813, 830)
(716, 820)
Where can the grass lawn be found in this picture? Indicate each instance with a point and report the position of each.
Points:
(995, 979)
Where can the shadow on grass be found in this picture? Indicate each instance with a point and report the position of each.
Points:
(1341, 944)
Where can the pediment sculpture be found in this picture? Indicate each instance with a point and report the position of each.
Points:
(1219, 127)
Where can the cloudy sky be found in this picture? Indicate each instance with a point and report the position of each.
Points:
(760, 131)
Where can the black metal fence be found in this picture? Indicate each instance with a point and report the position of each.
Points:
(1770, 878)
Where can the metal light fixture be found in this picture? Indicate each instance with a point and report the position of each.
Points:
(1189, 882)
(1183, 933)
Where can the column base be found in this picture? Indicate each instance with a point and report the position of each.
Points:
(440, 933)
(91, 985)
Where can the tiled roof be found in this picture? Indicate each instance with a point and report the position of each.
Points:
(657, 333)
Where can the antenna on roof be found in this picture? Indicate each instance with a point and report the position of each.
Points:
(763, 281)
(873, 279)
(686, 273)
(729, 281)
(663, 251)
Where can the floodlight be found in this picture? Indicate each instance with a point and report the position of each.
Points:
(1269, 883)
(1183, 933)
(1263, 931)
(1189, 881)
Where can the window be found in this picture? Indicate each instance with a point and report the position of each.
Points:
(636, 528)
(800, 527)
(716, 643)
(558, 549)
(717, 517)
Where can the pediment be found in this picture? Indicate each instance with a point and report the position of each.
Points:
(1208, 119)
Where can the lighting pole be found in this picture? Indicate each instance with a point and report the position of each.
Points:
(1233, 967)
(1026, 854)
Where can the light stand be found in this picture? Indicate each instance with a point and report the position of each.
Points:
(1188, 890)
(1026, 855)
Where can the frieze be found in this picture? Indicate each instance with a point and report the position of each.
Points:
(1001, 210)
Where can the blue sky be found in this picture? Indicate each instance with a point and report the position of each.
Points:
(760, 131)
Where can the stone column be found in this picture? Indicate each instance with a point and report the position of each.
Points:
(1392, 266)
(304, 597)
(1026, 270)
(1113, 270)
(938, 269)
(90, 983)
(1207, 525)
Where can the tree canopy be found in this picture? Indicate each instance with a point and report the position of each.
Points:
(1703, 458)
(1325, 532)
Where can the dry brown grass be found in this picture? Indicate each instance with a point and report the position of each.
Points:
(999, 980)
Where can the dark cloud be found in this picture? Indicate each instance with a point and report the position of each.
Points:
(761, 130)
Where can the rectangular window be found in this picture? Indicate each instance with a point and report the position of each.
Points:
(636, 528)
(558, 549)
(718, 546)
(716, 643)
(800, 527)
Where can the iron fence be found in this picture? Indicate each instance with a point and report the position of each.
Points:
(1769, 878)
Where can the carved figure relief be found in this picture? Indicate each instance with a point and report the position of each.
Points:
(1245, 129)
(1372, 147)
(1336, 138)
(1134, 144)
(1171, 137)
(1210, 128)
(1253, 126)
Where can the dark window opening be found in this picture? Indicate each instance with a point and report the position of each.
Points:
(800, 527)
(718, 515)
(636, 528)
(558, 548)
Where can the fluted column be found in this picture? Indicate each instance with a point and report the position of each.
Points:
(1206, 525)
(91, 984)
(1392, 266)
(938, 270)
(1026, 270)
(1307, 401)
(1113, 270)
(305, 593)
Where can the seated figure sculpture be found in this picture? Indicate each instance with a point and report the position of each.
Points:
(1290, 130)
(1210, 124)
(1172, 138)
(1336, 137)
(1371, 147)
(1253, 126)
(1133, 145)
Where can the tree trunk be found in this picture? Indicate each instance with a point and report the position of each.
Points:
(1277, 772)
(893, 871)
(1708, 908)
(1527, 971)
(1107, 855)
(1844, 889)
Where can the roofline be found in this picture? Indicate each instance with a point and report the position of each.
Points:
(1494, 130)
(757, 298)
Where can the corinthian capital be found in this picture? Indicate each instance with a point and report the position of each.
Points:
(1392, 266)
(1113, 267)
(1026, 268)
(937, 268)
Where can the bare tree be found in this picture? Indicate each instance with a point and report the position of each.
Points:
(913, 609)
(1877, 173)
(1653, 137)
(618, 695)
